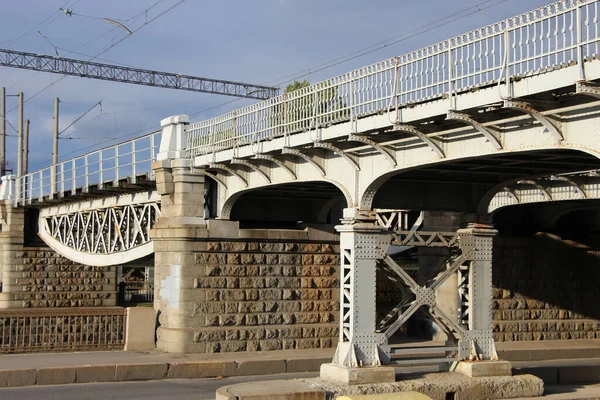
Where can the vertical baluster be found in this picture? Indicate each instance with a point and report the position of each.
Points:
(133, 162)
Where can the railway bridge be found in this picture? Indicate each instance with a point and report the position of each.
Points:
(279, 225)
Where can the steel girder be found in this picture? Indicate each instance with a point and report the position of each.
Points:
(365, 240)
(102, 236)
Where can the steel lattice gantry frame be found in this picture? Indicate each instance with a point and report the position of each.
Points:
(365, 238)
(116, 73)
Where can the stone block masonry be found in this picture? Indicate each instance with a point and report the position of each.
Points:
(43, 278)
(544, 289)
(261, 296)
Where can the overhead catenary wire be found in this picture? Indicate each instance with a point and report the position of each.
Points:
(111, 46)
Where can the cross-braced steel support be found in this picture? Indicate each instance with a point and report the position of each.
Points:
(364, 241)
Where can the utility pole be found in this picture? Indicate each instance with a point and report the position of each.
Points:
(3, 134)
(26, 149)
(20, 146)
(55, 147)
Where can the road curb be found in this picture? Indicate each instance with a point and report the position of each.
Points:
(154, 371)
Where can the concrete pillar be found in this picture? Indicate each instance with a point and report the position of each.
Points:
(174, 236)
(11, 249)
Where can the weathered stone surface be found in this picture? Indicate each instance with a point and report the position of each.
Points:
(17, 377)
(95, 373)
(55, 376)
(201, 370)
(141, 372)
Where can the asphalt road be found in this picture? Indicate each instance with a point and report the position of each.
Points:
(180, 389)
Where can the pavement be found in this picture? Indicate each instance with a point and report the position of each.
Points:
(556, 362)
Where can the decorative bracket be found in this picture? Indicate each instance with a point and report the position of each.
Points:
(588, 89)
(277, 162)
(340, 152)
(413, 131)
(212, 176)
(230, 170)
(251, 166)
(489, 135)
(382, 150)
(305, 157)
(554, 127)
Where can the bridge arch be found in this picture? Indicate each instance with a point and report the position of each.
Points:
(470, 181)
(307, 201)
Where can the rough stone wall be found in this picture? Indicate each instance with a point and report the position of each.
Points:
(44, 278)
(260, 296)
(544, 289)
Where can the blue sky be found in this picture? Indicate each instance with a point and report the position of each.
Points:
(256, 41)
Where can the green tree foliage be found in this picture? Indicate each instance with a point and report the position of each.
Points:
(297, 112)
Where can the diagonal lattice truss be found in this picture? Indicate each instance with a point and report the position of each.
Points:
(105, 230)
(422, 294)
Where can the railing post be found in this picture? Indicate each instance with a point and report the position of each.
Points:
(73, 177)
(133, 161)
(507, 62)
(116, 180)
(450, 74)
(87, 173)
(100, 170)
(396, 85)
(579, 35)
(353, 122)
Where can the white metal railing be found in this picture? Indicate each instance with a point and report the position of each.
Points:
(128, 159)
(554, 35)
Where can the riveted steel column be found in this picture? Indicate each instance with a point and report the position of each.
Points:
(476, 243)
(362, 243)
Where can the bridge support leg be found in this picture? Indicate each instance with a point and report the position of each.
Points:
(356, 359)
(175, 242)
(11, 247)
(476, 304)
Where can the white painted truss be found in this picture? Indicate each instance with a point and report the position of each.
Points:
(113, 232)
(365, 239)
(577, 186)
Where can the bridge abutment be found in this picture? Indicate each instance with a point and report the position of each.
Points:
(38, 277)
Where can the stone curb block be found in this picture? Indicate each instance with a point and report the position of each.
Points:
(261, 367)
(141, 372)
(306, 365)
(55, 376)
(17, 377)
(194, 370)
(95, 373)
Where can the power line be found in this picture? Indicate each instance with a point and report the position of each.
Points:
(81, 116)
(111, 46)
(31, 31)
(380, 45)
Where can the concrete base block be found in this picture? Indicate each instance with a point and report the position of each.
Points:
(271, 390)
(441, 386)
(357, 376)
(141, 323)
(476, 369)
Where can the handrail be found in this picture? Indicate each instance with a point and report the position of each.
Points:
(557, 34)
(128, 159)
